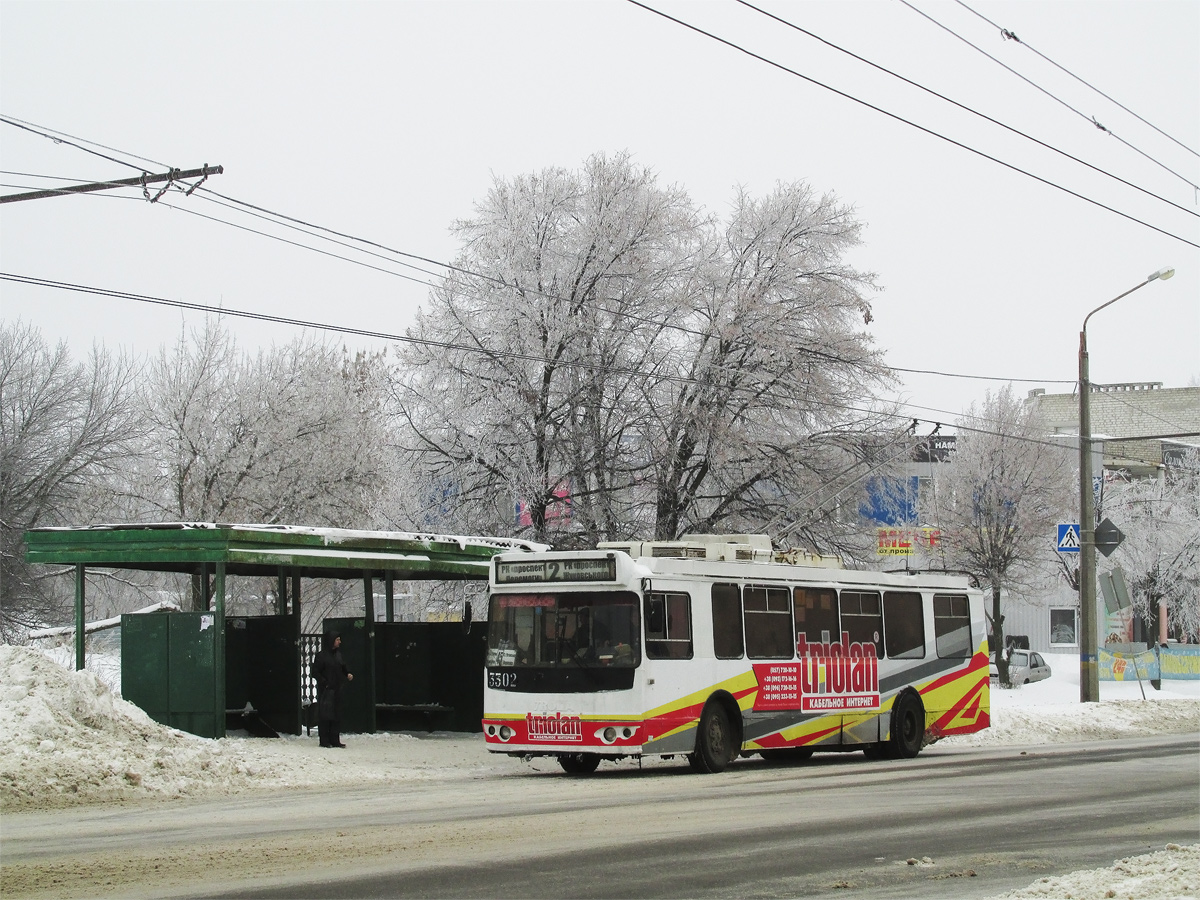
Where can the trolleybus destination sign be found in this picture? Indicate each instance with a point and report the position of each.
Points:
(602, 568)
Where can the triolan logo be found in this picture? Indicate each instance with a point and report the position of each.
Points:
(554, 727)
(842, 676)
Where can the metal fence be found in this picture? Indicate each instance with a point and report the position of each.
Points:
(310, 645)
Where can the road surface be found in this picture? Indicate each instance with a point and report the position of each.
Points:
(952, 823)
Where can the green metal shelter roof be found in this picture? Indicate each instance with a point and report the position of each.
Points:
(264, 549)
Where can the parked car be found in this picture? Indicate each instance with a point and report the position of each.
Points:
(1024, 666)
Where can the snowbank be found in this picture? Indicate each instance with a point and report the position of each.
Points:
(1170, 874)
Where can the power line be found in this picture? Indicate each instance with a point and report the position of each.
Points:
(985, 377)
(58, 138)
(1009, 36)
(399, 338)
(964, 107)
(1031, 83)
(524, 357)
(891, 115)
(301, 226)
(465, 348)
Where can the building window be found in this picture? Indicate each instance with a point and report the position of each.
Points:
(1062, 628)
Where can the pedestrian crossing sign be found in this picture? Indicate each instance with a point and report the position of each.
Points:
(1068, 538)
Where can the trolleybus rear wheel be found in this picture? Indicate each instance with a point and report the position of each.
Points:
(908, 725)
(579, 763)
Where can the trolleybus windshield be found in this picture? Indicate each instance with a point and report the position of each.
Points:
(597, 629)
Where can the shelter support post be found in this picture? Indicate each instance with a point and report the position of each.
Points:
(369, 675)
(79, 635)
(219, 647)
(281, 598)
(389, 588)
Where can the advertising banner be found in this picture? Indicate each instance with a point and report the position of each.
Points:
(1128, 666)
(1180, 662)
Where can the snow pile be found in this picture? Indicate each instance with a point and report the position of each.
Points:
(1050, 712)
(66, 739)
(1170, 873)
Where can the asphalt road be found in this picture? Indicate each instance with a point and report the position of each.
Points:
(975, 823)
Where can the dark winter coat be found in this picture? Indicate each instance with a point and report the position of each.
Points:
(329, 671)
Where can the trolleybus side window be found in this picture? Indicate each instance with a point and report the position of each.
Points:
(727, 621)
(952, 626)
(668, 626)
(769, 632)
(904, 625)
(862, 618)
(817, 615)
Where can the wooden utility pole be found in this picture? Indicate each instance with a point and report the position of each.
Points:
(139, 180)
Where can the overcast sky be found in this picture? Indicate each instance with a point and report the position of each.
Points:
(389, 120)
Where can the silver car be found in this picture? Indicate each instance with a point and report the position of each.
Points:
(1025, 666)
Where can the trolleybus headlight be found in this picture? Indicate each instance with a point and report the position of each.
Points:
(610, 734)
(505, 732)
(491, 731)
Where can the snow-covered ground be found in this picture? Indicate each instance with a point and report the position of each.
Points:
(66, 738)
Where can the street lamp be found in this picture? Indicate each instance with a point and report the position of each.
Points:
(1089, 671)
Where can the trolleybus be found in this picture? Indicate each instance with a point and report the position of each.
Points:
(712, 647)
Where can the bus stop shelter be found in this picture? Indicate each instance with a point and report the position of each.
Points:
(186, 669)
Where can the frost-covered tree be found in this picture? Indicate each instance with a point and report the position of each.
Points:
(65, 428)
(771, 375)
(621, 364)
(1161, 550)
(999, 497)
(523, 385)
(290, 435)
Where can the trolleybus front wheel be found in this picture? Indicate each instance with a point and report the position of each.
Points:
(579, 763)
(714, 740)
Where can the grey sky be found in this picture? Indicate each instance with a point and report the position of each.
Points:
(387, 121)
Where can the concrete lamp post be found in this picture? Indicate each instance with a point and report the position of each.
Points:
(1089, 670)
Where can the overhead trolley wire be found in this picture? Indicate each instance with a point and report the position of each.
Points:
(1031, 83)
(1010, 36)
(965, 108)
(891, 115)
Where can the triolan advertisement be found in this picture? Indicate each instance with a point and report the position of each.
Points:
(827, 678)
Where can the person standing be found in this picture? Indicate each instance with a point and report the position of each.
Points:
(330, 672)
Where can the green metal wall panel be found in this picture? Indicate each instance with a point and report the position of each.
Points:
(168, 668)
(144, 664)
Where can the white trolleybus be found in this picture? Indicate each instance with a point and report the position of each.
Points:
(716, 646)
